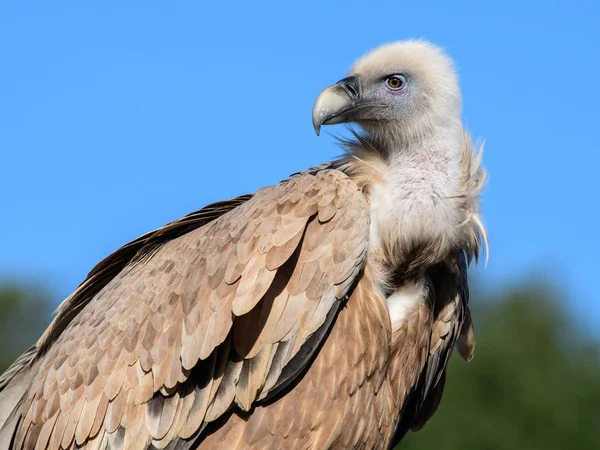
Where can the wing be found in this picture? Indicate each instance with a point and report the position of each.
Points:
(14, 382)
(226, 314)
(448, 297)
(135, 251)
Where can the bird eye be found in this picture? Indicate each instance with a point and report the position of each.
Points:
(395, 82)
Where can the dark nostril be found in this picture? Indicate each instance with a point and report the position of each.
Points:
(350, 85)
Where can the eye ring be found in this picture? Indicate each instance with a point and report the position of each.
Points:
(395, 82)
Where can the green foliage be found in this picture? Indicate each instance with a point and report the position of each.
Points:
(533, 384)
(24, 314)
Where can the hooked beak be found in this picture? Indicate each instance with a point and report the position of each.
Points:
(336, 103)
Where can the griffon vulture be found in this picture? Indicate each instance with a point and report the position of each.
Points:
(317, 313)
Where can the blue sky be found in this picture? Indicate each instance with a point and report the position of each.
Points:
(116, 118)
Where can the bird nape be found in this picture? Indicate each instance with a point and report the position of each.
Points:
(317, 313)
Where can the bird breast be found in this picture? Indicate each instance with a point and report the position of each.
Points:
(415, 207)
(402, 301)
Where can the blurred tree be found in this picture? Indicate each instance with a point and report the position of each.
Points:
(24, 314)
(534, 382)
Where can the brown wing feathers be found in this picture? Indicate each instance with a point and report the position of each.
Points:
(130, 253)
(174, 329)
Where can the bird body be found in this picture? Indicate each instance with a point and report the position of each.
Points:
(316, 313)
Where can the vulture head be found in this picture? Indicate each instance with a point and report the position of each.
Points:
(399, 91)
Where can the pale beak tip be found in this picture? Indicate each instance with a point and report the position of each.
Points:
(317, 118)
